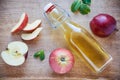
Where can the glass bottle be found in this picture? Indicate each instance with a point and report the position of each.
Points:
(78, 38)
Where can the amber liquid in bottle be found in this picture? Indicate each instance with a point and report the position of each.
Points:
(80, 40)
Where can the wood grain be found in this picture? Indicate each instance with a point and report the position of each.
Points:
(48, 40)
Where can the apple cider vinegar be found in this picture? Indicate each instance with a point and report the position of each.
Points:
(78, 38)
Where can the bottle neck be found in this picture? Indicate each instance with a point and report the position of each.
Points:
(59, 18)
(56, 15)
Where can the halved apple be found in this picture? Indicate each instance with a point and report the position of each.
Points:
(33, 26)
(31, 36)
(15, 54)
(21, 24)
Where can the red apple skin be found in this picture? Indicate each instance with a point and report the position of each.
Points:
(55, 57)
(103, 25)
(22, 25)
(26, 55)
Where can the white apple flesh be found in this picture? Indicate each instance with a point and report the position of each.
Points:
(61, 60)
(31, 36)
(21, 24)
(33, 26)
(16, 53)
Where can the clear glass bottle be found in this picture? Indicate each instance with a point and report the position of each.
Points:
(78, 38)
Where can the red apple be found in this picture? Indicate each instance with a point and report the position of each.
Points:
(61, 60)
(31, 36)
(33, 26)
(21, 24)
(103, 25)
(15, 54)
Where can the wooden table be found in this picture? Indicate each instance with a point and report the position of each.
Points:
(48, 40)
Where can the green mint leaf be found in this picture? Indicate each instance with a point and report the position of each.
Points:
(42, 55)
(75, 5)
(36, 54)
(84, 9)
(88, 2)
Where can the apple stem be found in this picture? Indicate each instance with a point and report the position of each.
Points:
(62, 59)
(7, 49)
(116, 29)
(16, 51)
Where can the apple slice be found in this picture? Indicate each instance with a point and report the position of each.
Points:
(31, 36)
(61, 60)
(33, 26)
(15, 54)
(21, 24)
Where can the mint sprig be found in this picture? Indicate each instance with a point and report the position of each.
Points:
(83, 6)
(40, 54)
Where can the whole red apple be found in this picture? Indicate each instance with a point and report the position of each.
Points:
(61, 60)
(103, 25)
